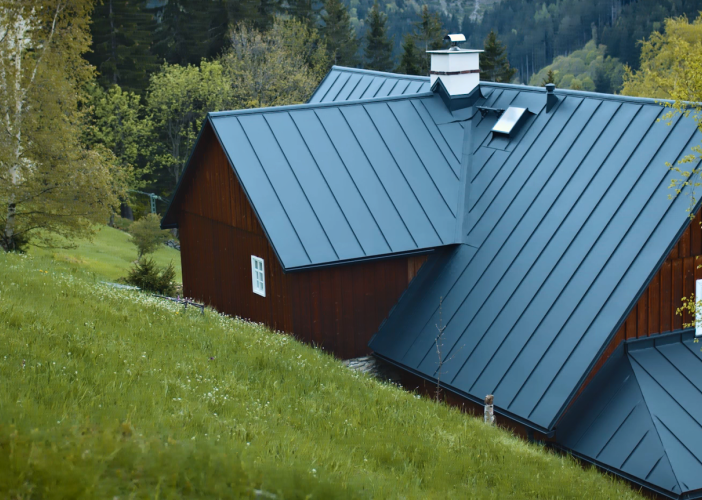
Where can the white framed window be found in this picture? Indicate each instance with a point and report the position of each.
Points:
(258, 277)
(698, 314)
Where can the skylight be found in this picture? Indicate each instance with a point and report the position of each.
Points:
(508, 120)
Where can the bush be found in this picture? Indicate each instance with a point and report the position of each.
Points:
(122, 224)
(147, 234)
(146, 275)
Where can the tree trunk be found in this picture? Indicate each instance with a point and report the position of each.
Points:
(126, 211)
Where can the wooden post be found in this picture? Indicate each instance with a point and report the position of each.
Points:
(488, 414)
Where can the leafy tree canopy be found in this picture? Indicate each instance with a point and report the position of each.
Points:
(51, 182)
(586, 69)
(671, 68)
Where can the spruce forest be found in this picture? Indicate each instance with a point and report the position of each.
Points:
(162, 64)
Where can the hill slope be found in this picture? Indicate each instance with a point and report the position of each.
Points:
(109, 393)
(109, 255)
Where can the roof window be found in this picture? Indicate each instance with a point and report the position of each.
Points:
(509, 120)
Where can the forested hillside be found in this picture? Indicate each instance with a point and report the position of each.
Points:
(163, 64)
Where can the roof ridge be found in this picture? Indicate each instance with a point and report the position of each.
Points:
(581, 93)
(380, 73)
(315, 105)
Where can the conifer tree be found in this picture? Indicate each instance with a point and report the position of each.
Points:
(303, 10)
(429, 35)
(411, 61)
(378, 49)
(550, 78)
(494, 66)
(190, 30)
(122, 35)
(259, 13)
(339, 35)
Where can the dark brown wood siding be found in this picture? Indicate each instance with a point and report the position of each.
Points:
(654, 312)
(338, 308)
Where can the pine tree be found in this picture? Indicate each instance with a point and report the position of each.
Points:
(259, 13)
(378, 50)
(121, 51)
(494, 66)
(550, 78)
(339, 35)
(411, 61)
(428, 34)
(303, 10)
(190, 30)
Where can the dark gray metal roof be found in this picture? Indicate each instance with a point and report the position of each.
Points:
(350, 84)
(563, 226)
(641, 416)
(348, 181)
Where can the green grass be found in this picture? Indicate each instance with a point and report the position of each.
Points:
(109, 255)
(109, 393)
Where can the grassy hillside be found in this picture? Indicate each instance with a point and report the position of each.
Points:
(110, 393)
(109, 255)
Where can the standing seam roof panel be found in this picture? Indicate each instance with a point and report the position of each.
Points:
(566, 227)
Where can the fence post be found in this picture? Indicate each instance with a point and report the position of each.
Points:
(488, 413)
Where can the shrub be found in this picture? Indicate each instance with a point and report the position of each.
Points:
(147, 234)
(122, 224)
(146, 275)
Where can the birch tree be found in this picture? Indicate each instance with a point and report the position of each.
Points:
(50, 183)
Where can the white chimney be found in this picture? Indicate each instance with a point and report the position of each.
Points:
(458, 69)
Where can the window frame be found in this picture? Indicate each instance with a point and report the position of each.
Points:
(255, 281)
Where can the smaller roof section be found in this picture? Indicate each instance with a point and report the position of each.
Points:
(351, 84)
(641, 416)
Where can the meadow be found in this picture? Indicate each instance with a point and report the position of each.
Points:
(108, 393)
(109, 254)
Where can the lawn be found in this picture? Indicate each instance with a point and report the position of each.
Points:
(109, 255)
(108, 393)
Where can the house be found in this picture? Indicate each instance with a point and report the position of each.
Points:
(529, 230)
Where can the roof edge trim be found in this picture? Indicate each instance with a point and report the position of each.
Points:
(372, 258)
(580, 93)
(314, 105)
(659, 339)
(386, 74)
(620, 473)
(478, 401)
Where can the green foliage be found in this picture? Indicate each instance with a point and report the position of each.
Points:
(147, 234)
(117, 393)
(338, 34)
(115, 119)
(411, 60)
(51, 184)
(585, 69)
(178, 100)
(549, 78)
(190, 30)
(377, 52)
(273, 68)
(122, 224)
(429, 35)
(671, 67)
(149, 277)
(109, 255)
(494, 66)
(122, 33)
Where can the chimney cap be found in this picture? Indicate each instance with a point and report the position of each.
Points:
(455, 38)
(550, 87)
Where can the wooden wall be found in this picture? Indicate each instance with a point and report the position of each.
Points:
(338, 308)
(654, 313)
